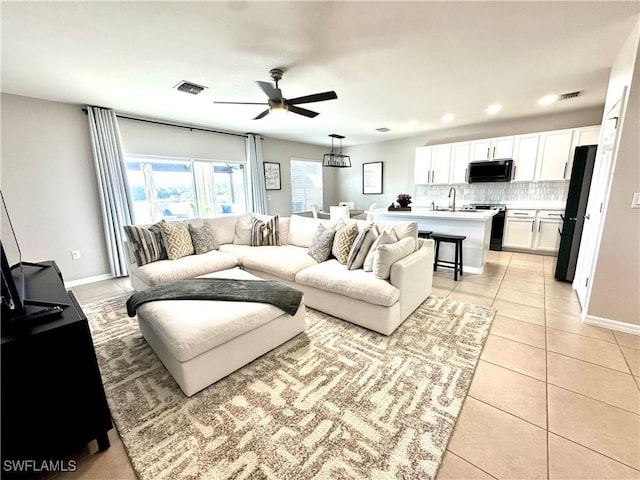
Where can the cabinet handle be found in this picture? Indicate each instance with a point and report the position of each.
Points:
(515, 167)
(539, 223)
(564, 172)
(466, 175)
(532, 222)
(488, 149)
(555, 215)
(494, 153)
(520, 213)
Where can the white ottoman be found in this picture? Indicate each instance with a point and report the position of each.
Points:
(202, 341)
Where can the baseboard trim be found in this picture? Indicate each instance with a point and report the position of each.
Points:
(616, 325)
(84, 281)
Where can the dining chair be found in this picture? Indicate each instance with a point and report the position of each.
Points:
(338, 212)
(315, 210)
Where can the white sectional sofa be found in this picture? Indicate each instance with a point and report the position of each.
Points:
(353, 295)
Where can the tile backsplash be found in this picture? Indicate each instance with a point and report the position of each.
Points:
(494, 192)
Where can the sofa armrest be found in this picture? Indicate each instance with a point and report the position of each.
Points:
(413, 277)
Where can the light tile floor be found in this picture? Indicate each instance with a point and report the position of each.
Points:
(551, 398)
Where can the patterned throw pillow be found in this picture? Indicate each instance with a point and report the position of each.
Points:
(342, 242)
(146, 243)
(264, 233)
(203, 238)
(320, 248)
(177, 240)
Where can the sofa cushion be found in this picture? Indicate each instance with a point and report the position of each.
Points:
(302, 230)
(361, 247)
(387, 255)
(146, 243)
(401, 229)
(203, 238)
(224, 228)
(384, 238)
(334, 277)
(320, 249)
(164, 271)
(284, 261)
(177, 240)
(243, 230)
(343, 241)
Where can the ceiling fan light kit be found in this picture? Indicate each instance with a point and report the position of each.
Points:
(278, 104)
(336, 159)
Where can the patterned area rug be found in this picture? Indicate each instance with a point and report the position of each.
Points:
(335, 402)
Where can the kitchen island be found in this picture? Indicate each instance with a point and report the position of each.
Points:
(474, 224)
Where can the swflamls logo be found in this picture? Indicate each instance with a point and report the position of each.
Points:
(31, 465)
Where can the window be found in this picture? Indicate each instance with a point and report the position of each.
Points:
(306, 184)
(184, 188)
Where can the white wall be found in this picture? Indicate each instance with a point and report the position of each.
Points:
(615, 292)
(49, 183)
(398, 155)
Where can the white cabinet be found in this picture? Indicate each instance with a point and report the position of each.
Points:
(586, 136)
(459, 162)
(547, 235)
(524, 157)
(532, 230)
(554, 154)
(492, 148)
(422, 169)
(432, 165)
(518, 229)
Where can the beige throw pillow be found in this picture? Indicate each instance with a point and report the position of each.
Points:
(384, 239)
(243, 230)
(342, 242)
(177, 240)
(387, 255)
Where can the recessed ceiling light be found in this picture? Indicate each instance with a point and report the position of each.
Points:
(412, 124)
(447, 118)
(547, 99)
(493, 109)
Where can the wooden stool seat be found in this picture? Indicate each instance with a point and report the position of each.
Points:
(457, 263)
(424, 234)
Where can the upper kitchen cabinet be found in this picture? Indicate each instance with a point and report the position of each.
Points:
(586, 136)
(432, 165)
(554, 154)
(492, 148)
(459, 162)
(524, 157)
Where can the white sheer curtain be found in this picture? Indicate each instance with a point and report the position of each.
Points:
(112, 183)
(256, 173)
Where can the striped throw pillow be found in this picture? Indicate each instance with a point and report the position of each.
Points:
(265, 233)
(146, 243)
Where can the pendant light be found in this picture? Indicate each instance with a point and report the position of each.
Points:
(333, 159)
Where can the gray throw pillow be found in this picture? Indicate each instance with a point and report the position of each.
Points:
(320, 248)
(146, 243)
(361, 248)
(203, 238)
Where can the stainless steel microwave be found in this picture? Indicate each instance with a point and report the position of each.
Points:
(490, 171)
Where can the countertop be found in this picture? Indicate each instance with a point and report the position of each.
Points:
(424, 212)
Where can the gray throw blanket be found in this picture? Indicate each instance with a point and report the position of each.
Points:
(262, 291)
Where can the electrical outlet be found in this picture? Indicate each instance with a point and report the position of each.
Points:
(75, 254)
(635, 202)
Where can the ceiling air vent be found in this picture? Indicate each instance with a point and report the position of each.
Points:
(567, 96)
(382, 129)
(189, 87)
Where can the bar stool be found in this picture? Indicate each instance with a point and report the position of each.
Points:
(457, 263)
(424, 234)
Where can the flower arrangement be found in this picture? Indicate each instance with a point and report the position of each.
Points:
(403, 199)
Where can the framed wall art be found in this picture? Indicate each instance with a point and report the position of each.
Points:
(272, 176)
(372, 178)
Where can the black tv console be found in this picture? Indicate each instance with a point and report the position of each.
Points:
(53, 401)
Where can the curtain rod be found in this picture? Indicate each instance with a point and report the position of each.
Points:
(168, 124)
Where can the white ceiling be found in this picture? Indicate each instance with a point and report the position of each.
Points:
(392, 64)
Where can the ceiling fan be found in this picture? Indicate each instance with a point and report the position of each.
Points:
(277, 103)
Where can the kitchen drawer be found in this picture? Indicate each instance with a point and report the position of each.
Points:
(553, 214)
(521, 213)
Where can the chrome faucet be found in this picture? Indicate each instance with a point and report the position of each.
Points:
(452, 189)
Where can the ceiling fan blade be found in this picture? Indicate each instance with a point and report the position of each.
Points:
(316, 97)
(262, 115)
(274, 94)
(242, 103)
(302, 111)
